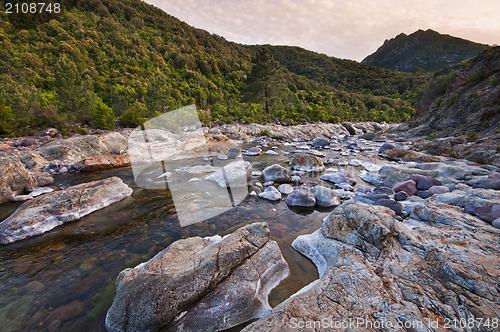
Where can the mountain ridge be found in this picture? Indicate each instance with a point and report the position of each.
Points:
(427, 50)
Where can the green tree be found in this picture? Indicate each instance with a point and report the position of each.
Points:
(6, 118)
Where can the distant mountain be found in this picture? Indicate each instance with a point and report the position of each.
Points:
(427, 50)
(463, 99)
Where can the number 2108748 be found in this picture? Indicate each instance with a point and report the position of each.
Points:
(32, 8)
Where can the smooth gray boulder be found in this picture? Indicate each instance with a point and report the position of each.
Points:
(44, 213)
(200, 284)
(276, 173)
(271, 193)
(301, 197)
(325, 197)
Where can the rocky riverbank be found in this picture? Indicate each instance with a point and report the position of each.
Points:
(412, 237)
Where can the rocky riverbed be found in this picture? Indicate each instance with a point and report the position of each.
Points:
(396, 235)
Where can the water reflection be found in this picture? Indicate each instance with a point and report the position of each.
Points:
(64, 279)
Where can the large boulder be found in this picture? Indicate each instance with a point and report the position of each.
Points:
(325, 197)
(301, 197)
(48, 211)
(320, 142)
(276, 173)
(15, 177)
(307, 163)
(359, 224)
(73, 149)
(197, 284)
(235, 174)
(439, 265)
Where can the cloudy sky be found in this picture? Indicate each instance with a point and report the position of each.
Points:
(341, 28)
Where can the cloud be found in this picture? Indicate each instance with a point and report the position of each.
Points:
(346, 29)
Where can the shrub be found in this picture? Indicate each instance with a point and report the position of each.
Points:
(265, 132)
(104, 117)
(133, 118)
(472, 136)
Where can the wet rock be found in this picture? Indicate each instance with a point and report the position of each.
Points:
(301, 197)
(488, 213)
(35, 286)
(320, 142)
(423, 182)
(15, 176)
(424, 194)
(271, 194)
(235, 174)
(271, 153)
(325, 197)
(252, 194)
(383, 191)
(229, 286)
(364, 190)
(233, 153)
(385, 147)
(276, 173)
(296, 180)
(436, 190)
(285, 188)
(374, 196)
(496, 223)
(46, 212)
(368, 136)
(485, 183)
(338, 178)
(409, 186)
(254, 151)
(307, 163)
(393, 205)
(349, 127)
(471, 207)
(354, 162)
(345, 186)
(400, 196)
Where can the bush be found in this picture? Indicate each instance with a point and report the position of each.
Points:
(133, 118)
(265, 132)
(104, 117)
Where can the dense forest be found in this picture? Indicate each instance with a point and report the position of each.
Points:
(108, 63)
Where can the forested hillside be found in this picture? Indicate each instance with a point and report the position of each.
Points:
(107, 63)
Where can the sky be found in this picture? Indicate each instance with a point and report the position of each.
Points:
(340, 28)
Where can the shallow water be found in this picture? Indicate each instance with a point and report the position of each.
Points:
(64, 280)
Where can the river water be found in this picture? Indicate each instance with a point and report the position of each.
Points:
(64, 280)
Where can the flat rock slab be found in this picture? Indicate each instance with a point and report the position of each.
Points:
(46, 212)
